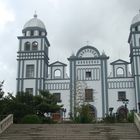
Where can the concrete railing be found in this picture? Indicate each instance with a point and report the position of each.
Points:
(137, 120)
(6, 122)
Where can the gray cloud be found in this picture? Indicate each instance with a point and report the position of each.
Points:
(70, 23)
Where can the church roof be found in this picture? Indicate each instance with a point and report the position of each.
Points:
(34, 22)
(119, 61)
(136, 18)
(57, 63)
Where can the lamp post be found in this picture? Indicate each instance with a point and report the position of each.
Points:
(125, 102)
(64, 113)
(110, 110)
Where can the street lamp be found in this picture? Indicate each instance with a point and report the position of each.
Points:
(64, 112)
(125, 102)
(110, 110)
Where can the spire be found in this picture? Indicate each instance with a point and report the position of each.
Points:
(35, 15)
(103, 53)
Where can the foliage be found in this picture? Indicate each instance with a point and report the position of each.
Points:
(25, 104)
(48, 120)
(130, 117)
(119, 118)
(31, 119)
(46, 102)
(1, 91)
(110, 119)
(84, 114)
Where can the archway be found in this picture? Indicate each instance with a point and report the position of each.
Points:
(57, 73)
(93, 111)
(120, 72)
(122, 112)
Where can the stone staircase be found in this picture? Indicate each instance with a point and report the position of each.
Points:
(119, 131)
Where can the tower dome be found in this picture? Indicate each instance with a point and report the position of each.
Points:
(136, 18)
(34, 24)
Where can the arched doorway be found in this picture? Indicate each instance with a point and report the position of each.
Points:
(122, 112)
(93, 111)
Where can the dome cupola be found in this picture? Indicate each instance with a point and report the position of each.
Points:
(136, 18)
(34, 27)
(135, 25)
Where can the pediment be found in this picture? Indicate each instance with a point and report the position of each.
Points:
(57, 63)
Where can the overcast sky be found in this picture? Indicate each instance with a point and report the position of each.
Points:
(70, 24)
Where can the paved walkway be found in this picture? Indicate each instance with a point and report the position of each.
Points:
(120, 131)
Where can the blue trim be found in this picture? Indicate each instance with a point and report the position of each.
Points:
(70, 86)
(114, 71)
(120, 77)
(19, 71)
(136, 71)
(44, 75)
(20, 44)
(107, 106)
(88, 65)
(88, 58)
(51, 74)
(58, 86)
(126, 70)
(63, 73)
(134, 41)
(138, 82)
(102, 84)
(58, 79)
(40, 74)
(22, 82)
(42, 44)
(120, 84)
(74, 87)
(36, 87)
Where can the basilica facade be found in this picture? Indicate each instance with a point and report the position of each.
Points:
(88, 81)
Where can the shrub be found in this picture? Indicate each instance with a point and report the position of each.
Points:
(47, 120)
(84, 115)
(31, 119)
(130, 117)
(109, 119)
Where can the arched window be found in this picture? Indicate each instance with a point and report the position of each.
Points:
(27, 46)
(34, 46)
(57, 73)
(120, 72)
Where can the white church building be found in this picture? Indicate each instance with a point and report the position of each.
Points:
(88, 80)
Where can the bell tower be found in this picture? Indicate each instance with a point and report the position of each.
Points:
(134, 41)
(32, 57)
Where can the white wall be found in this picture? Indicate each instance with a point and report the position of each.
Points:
(113, 96)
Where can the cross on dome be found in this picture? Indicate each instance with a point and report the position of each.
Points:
(35, 15)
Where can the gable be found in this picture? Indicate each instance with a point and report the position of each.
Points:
(57, 63)
(118, 62)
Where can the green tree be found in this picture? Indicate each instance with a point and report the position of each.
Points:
(84, 114)
(1, 91)
(24, 104)
(46, 102)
